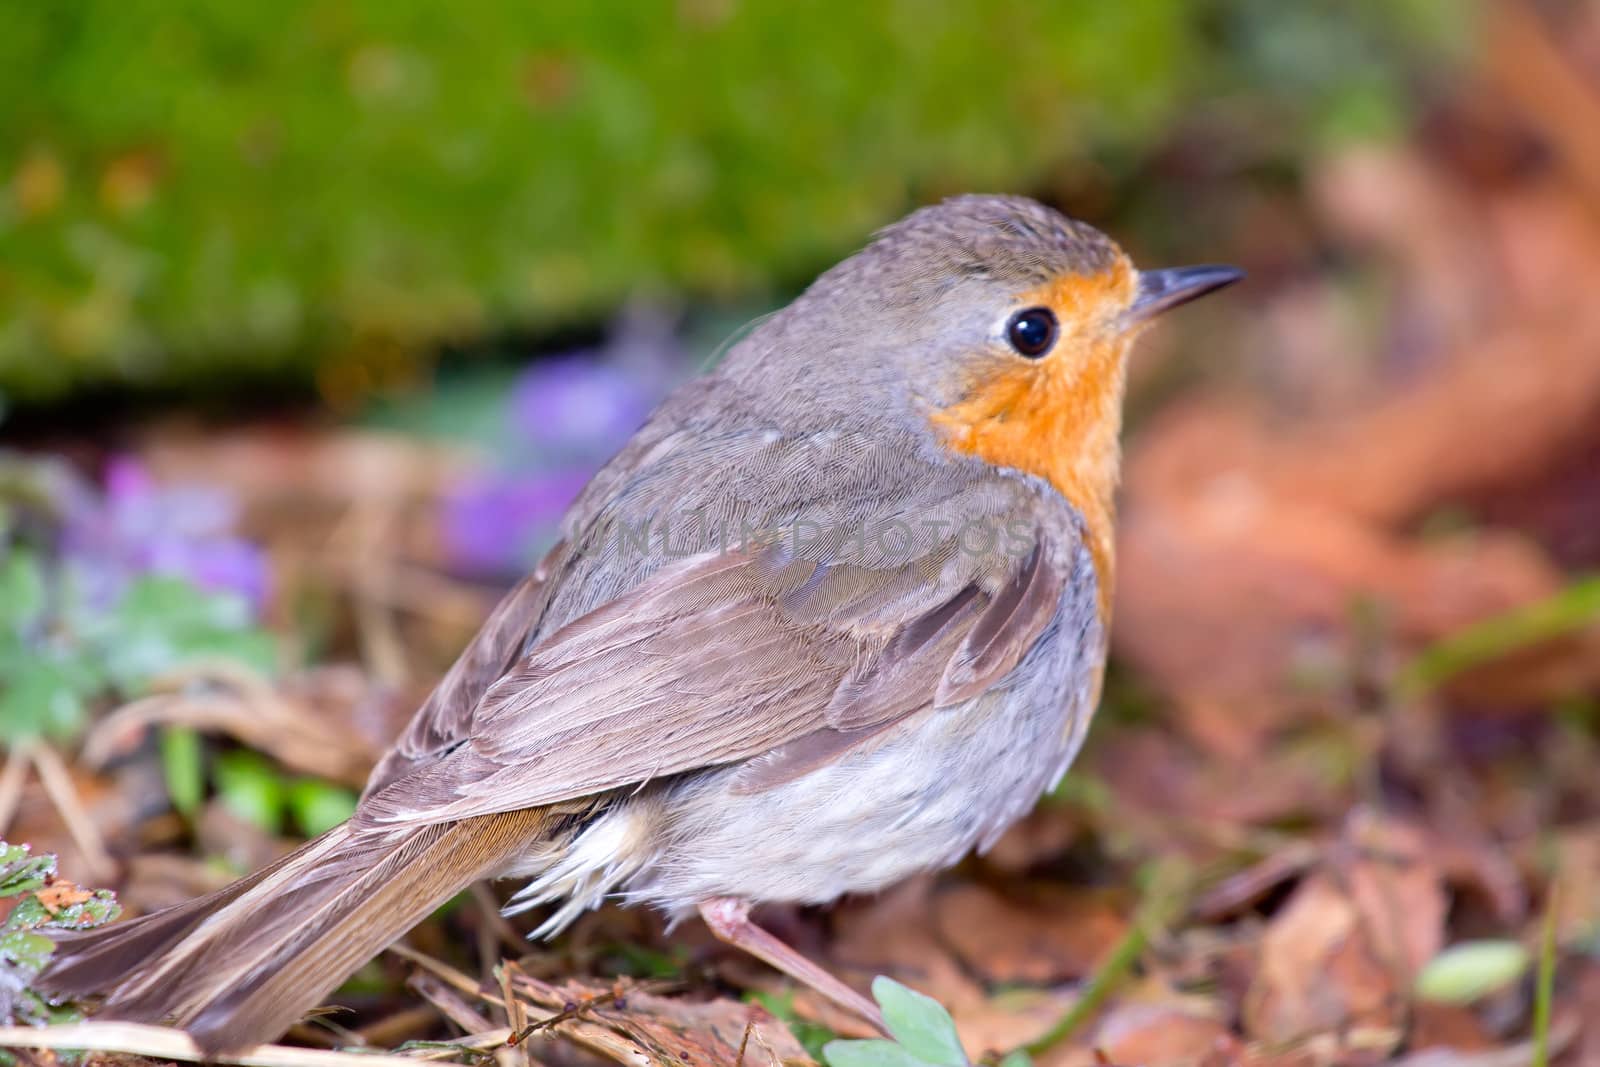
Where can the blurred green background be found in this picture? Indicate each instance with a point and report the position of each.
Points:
(333, 192)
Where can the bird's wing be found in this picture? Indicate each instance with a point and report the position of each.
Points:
(779, 655)
(446, 716)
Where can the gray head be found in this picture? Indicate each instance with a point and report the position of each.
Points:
(957, 298)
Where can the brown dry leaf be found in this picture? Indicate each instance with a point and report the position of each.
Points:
(1167, 793)
(1557, 97)
(1245, 887)
(1249, 534)
(668, 1030)
(1047, 831)
(1576, 885)
(61, 893)
(114, 807)
(1229, 585)
(1035, 933)
(1397, 884)
(1448, 1026)
(1472, 861)
(157, 880)
(283, 721)
(1582, 993)
(1337, 962)
(1155, 1035)
(897, 934)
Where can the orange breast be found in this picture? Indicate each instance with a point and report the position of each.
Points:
(1059, 417)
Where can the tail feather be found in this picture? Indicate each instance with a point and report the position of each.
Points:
(95, 961)
(240, 966)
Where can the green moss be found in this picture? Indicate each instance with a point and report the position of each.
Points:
(210, 188)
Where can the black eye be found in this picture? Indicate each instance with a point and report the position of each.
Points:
(1032, 332)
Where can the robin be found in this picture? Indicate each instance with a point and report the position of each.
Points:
(835, 615)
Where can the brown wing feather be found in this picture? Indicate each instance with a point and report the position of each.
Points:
(446, 716)
(1005, 631)
(728, 657)
(952, 652)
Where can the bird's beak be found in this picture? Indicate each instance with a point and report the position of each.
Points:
(1163, 290)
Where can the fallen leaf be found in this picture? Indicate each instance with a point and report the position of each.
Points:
(1251, 530)
(627, 1023)
(1047, 831)
(1153, 1035)
(61, 893)
(897, 935)
(290, 721)
(1338, 961)
(1036, 934)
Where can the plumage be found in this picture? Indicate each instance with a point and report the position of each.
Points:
(836, 614)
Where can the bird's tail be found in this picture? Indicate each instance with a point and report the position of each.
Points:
(238, 967)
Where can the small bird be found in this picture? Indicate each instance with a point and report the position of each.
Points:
(836, 614)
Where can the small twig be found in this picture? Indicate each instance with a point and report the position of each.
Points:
(396, 1028)
(1164, 899)
(366, 528)
(57, 782)
(479, 1046)
(446, 1001)
(744, 1042)
(161, 1042)
(451, 977)
(618, 995)
(495, 921)
(516, 1015)
(573, 1011)
(612, 1038)
(772, 1055)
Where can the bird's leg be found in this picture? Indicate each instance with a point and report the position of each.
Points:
(729, 919)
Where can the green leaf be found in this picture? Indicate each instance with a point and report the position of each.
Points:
(919, 1023)
(25, 951)
(21, 871)
(25, 944)
(873, 1053)
(1467, 971)
(250, 786)
(1544, 986)
(22, 590)
(183, 768)
(42, 697)
(319, 806)
(162, 622)
(1016, 1058)
(1572, 608)
(175, 604)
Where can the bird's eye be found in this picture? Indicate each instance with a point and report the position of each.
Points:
(1032, 332)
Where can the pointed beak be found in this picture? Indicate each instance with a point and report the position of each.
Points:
(1163, 290)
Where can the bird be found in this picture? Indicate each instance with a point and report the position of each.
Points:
(836, 614)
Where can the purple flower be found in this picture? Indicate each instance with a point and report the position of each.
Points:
(491, 525)
(141, 527)
(578, 404)
(587, 402)
(565, 416)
